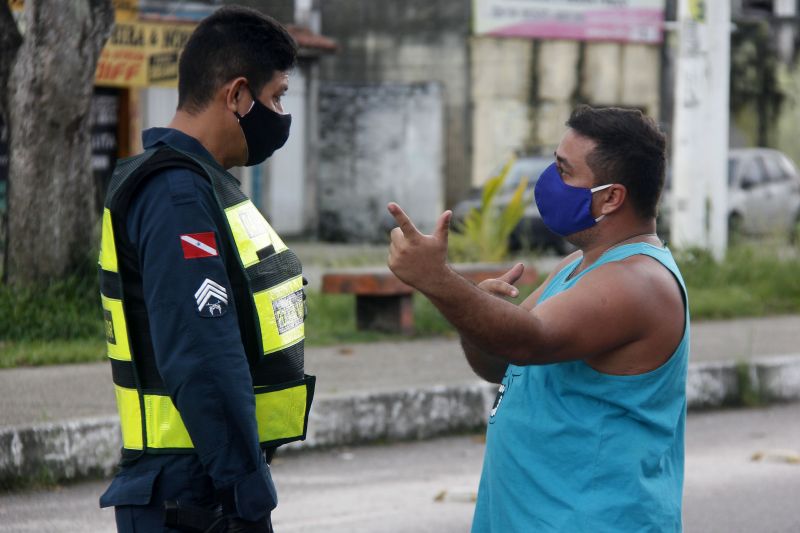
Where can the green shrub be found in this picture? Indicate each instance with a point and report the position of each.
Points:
(483, 235)
(52, 352)
(66, 309)
(62, 322)
(751, 281)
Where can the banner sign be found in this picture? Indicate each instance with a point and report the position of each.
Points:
(142, 54)
(582, 20)
(138, 53)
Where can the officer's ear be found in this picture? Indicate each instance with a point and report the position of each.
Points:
(237, 97)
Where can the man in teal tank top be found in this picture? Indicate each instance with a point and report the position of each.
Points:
(587, 431)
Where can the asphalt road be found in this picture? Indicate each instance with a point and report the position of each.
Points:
(429, 486)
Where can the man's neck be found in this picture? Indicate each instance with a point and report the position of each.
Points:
(199, 127)
(645, 232)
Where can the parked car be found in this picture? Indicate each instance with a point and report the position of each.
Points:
(763, 195)
(531, 231)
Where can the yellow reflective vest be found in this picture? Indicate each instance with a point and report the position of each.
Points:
(268, 291)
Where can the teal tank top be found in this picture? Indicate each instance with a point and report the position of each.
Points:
(571, 449)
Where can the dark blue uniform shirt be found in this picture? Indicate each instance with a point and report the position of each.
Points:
(200, 358)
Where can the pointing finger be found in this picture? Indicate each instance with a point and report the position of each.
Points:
(443, 226)
(408, 228)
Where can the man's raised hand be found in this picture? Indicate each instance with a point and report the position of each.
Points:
(416, 258)
(504, 285)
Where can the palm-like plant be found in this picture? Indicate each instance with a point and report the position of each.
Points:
(484, 233)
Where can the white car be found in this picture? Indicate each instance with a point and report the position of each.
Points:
(763, 195)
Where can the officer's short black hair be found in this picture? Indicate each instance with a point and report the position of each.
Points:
(234, 41)
(630, 150)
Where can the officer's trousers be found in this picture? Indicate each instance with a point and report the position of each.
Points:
(139, 491)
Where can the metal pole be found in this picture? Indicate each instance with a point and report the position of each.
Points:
(700, 140)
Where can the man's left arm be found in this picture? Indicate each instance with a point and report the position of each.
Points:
(577, 324)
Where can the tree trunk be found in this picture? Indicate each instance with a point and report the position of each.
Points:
(52, 217)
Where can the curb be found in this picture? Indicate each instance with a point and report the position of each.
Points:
(90, 447)
(768, 380)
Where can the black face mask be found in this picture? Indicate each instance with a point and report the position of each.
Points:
(264, 131)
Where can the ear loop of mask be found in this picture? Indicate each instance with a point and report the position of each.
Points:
(240, 117)
(596, 189)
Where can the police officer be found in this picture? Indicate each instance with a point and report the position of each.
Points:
(203, 302)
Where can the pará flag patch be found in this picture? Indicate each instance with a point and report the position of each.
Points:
(196, 245)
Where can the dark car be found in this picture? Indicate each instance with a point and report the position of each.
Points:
(531, 231)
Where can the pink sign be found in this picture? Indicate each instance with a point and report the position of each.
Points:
(587, 20)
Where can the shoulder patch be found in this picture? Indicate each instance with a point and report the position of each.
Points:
(182, 187)
(197, 245)
(211, 299)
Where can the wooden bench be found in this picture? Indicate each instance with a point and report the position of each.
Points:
(383, 302)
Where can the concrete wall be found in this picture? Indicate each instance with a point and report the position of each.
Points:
(523, 91)
(379, 143)
(408, 42)
(502, 90)
(500, 95)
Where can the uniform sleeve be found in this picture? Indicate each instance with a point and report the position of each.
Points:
(174, 227)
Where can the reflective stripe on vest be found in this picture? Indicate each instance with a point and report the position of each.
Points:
(280, 307)
(117, 341)
(148, 418)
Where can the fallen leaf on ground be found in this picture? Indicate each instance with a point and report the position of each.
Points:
(778, 456)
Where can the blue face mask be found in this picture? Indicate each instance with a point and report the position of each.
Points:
(565, 209)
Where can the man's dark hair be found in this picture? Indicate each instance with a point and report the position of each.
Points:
(234, 41)
(630, 150)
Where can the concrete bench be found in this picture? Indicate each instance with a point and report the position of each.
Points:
(383, 302)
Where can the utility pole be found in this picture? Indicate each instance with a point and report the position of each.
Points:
(700, 138)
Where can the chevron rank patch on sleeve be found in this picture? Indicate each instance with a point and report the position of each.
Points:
(211, 299)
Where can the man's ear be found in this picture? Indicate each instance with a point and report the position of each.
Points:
(237, 99)
(614, 198)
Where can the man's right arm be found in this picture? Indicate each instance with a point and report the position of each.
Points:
(488, 366)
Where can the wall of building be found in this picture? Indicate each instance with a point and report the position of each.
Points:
(500, 95)
(409, 42)
(523, 90)
(379, 143)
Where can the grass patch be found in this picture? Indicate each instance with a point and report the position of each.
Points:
(62, 323)
(749, 395)
(67, 309)
(55, 352)
(751, 282)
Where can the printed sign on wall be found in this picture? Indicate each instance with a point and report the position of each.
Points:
(581, 20)
(138, 53)
(142, 54)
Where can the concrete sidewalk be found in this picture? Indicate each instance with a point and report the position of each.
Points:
(60, 422)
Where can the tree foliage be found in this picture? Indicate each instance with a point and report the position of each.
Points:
(754, 74)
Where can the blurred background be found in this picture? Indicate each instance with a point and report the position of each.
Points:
(420, 102)
(434, 104)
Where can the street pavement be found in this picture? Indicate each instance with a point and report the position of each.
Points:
(64, 392)
(59, 421)
(430, 486)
